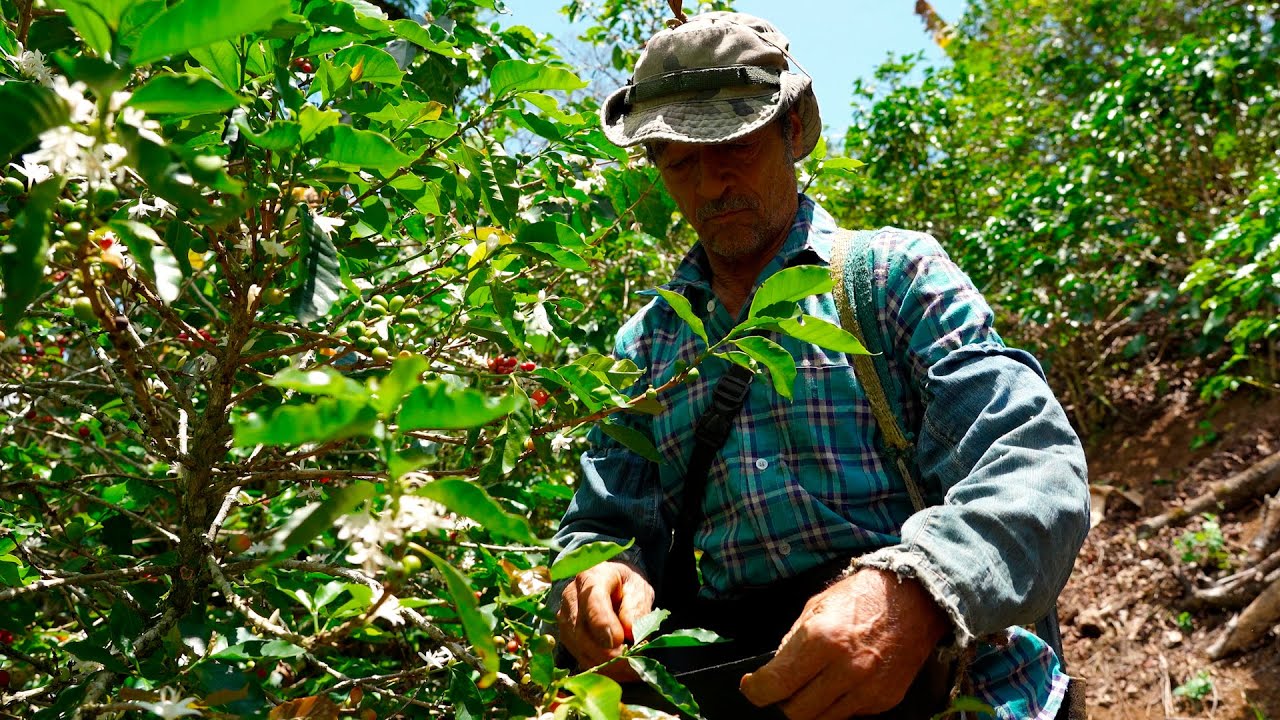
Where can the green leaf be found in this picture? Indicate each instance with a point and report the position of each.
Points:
(822, 333)
(278, 135)
(376, 65)
(781, 366)
(473, 623)
(152, 255)
(321, 279)
(418, 35)
(166, 272)
(304, 526)
(221, 60)
(633, 440)
(514, 76)
(321, 381)
(321, 421)
(23, 269)
(26, 110)
(313, 121)
(346, 146)
(193, 24)
(601, 697)
(682, 307)
(687, 637)
(405, 375)
(586, 557)
(494, 179)
(90, 19)
(464, 696)
(470, 500)
(657, 677)
(842, 165)
(791, 285)
(182, 95)
(645, 626)
(436, 406)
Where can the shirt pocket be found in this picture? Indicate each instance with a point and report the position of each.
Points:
(830, 436)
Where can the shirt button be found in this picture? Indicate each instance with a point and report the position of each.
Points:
(711, 305)
(784, 548)
(761, 463)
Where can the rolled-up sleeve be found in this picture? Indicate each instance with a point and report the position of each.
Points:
(994, 446)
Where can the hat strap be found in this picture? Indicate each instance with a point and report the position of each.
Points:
(682, 81)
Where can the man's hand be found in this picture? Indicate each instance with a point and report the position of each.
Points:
(854, 650)
(597, 611)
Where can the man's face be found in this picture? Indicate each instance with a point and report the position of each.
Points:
(740, 196)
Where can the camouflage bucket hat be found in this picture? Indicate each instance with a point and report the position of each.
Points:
(717, 77)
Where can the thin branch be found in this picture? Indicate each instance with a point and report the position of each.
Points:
(110, 575)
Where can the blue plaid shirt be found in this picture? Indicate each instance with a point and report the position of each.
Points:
(802, 482)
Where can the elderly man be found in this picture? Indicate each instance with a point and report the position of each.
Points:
(802, 489)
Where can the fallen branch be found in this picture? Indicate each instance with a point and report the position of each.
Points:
(1268, 536)
(1236, 590)
(1260, 479)
(1251, 625)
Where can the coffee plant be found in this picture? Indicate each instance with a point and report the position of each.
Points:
(305, 308)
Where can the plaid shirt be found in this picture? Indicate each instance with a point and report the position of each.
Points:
(800, 482)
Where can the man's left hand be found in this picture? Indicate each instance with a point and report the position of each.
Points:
(854, 650)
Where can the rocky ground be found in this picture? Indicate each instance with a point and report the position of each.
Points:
(1122, 612)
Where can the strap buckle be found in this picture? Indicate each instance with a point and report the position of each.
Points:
(730, 393)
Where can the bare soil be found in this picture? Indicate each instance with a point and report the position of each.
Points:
(1120, 611)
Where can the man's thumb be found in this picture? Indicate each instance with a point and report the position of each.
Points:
(635, 605)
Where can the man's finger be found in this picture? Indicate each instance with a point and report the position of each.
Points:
(596, 615)
(844, 708)
(817, 695)
(791, 669)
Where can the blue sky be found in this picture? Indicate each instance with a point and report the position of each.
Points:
(835, 40)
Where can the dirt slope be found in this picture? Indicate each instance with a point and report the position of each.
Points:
(1121, 609)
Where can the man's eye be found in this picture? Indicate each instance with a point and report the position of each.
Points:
(680, 163)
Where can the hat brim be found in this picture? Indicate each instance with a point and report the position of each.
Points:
(715, 120)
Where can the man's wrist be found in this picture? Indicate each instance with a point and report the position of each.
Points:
(910, 601)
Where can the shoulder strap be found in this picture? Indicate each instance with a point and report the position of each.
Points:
(680, 580)
(851, 288)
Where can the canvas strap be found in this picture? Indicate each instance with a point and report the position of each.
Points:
(851, 289)
(680, 581)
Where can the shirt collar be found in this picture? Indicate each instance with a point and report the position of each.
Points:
(812, 232)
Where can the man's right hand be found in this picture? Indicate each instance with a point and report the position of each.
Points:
(597, 611)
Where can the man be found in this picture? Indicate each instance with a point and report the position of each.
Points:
(799, 485)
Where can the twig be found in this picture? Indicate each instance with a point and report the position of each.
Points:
(105, 503)
(10, 593)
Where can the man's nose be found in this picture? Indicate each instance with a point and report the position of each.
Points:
(714, 173)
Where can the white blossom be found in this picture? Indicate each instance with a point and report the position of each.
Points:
(561, 442)
(62, 149)
(273, 247)
(140, 210)
(389, 609)
(437, 659)
(328, 224)
(419, 514)
(164, 207)
(31, 63)
(170, 706)
(137, 119)
(34, 172)
(244, 243)
(83, 110)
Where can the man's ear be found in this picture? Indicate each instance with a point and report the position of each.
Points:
(795, 131)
